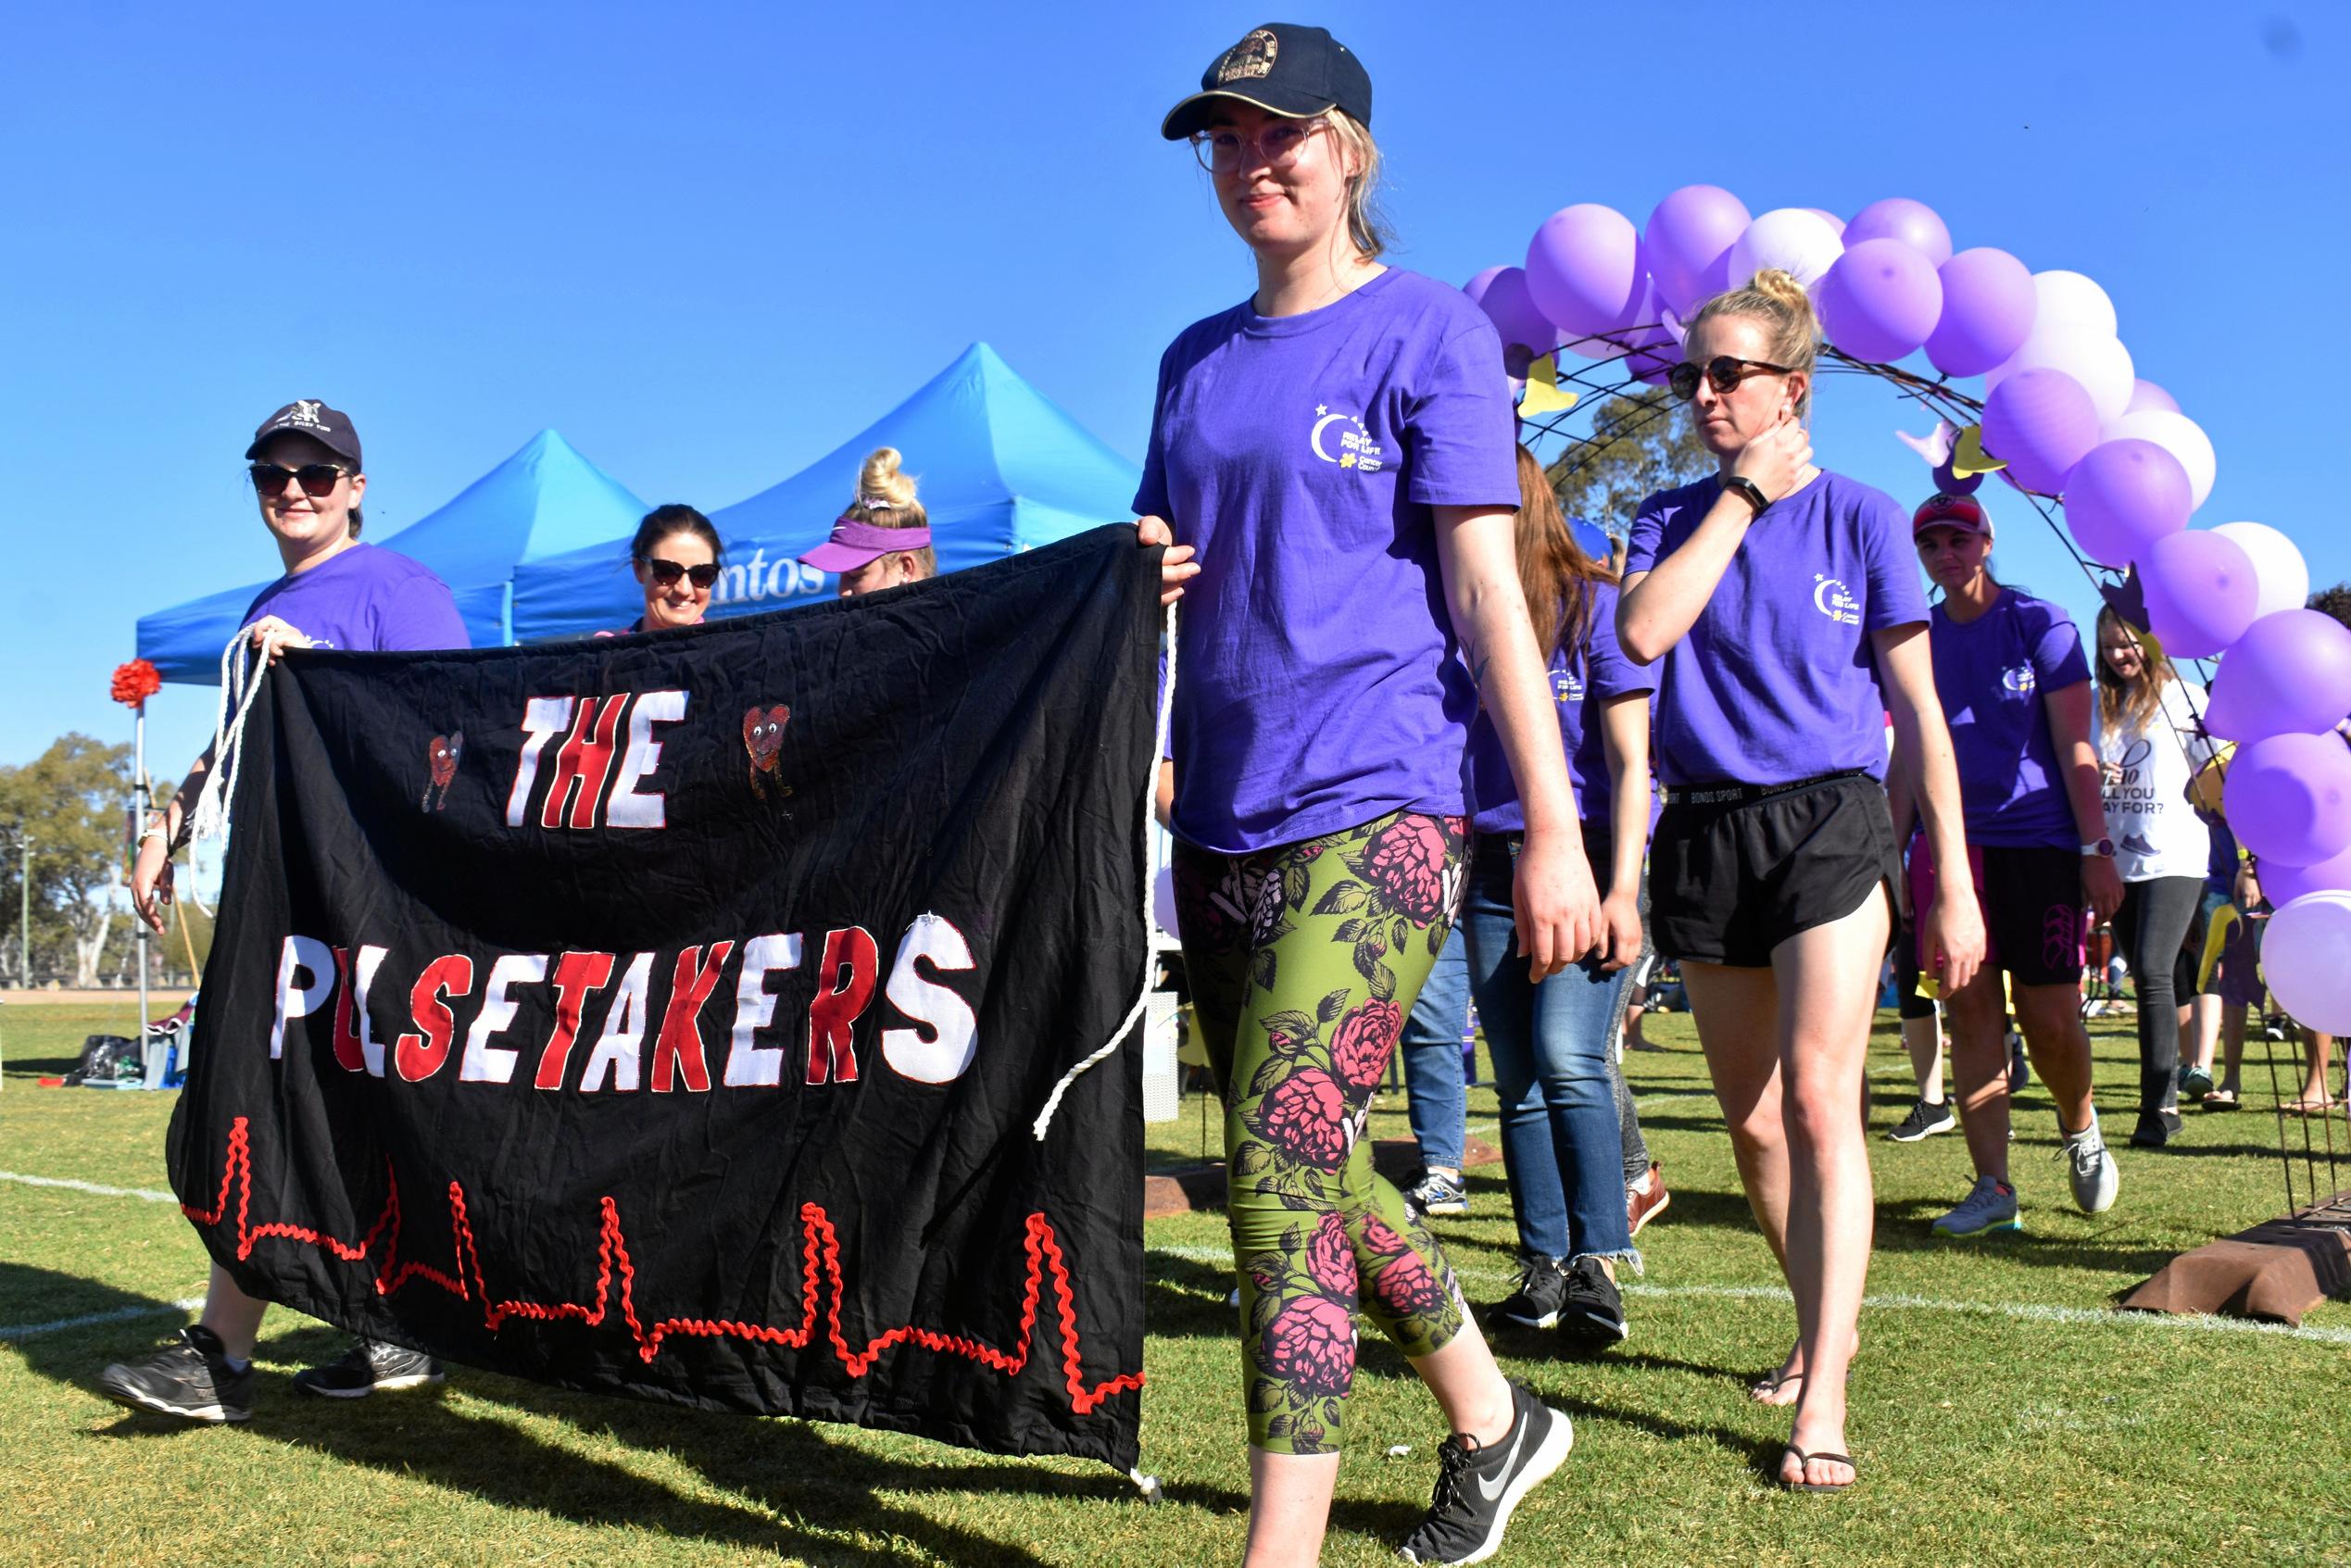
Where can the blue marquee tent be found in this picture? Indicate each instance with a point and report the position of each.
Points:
(1002, 469)
(545, 500)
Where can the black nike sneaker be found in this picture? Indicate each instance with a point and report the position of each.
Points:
(1478, 1488)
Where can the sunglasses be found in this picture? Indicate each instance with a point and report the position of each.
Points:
(1722, 373)
(667, 572)
(316, 479)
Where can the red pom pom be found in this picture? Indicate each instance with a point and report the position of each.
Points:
(135, 682)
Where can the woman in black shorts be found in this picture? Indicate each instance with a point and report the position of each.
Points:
(1788, 615)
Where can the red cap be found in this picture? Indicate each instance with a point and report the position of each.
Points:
(1954, 512)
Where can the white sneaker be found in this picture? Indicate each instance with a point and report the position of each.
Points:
(2091, 1169)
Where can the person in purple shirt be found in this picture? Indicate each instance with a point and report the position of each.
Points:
(1786, 616)
(2015, 690)
(1331, 460)
(1552, 1039)
(336, 593)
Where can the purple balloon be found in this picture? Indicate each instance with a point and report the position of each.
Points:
(2200, 591)
(2289, 674)
(1988, 305)
(2124, 496)
(1898, 218)
(2040, 422)
(1880, 300)
(2146, 394)
(1585, 269)
(1501, 292)
(1688, 244)
(2281, 884)
(2288, 799)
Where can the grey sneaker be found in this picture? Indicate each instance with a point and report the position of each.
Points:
(370, 1366)
(193, 1380)
(2091, 1169)
(1990, 1207)
(1438, 1192)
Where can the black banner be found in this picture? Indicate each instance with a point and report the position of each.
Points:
(666, 1015)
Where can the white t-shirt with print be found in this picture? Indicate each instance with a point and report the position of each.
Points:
(2156, 832)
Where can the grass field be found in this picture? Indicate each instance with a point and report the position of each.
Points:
(2002, 1412)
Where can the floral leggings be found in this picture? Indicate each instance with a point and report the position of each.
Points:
(1303, 962)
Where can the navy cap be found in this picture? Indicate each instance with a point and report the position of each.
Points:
(330, 428)
(1283, 68)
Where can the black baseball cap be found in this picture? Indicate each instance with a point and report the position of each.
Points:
(1283, 68)
(330, 428)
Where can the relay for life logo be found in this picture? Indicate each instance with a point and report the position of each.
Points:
(1833, 599)
(1351, 447)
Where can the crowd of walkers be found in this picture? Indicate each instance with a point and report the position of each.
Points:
(1427, 752)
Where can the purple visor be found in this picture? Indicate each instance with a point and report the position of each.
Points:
(854, 544)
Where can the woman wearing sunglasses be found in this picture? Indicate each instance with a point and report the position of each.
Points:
(1332, 461)
(1784, 606)
(883, 539)
(675, 556)
(341, 593)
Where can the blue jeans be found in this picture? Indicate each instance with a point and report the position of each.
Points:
(1437, 1104)
(1561, 1132)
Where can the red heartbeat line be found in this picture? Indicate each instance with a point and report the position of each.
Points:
(819, 1249)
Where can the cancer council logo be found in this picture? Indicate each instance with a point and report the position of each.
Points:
(1350, 445)
(1833, 599)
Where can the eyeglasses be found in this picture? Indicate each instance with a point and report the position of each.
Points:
(316, 479)
(667, 572)
(1224, 149)
(1723, 372)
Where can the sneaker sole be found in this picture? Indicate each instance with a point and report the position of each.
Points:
(381, 1385)
(1546, 1459)
(1449, 1210)
(1549, 1320)
(210, 1415)
(1897, 1136)
(2000, 1227)
(1648, 1214)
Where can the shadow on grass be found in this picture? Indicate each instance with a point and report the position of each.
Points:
(777, 1467)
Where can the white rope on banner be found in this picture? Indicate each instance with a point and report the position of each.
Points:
(240, 683)
(1151, 954)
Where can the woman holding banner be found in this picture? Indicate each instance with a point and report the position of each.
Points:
(336, 593)
(1333, 461)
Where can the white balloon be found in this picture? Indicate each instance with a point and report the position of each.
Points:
(2177, 435)
(2282, 579)
(2306, 956)
(2100, 363)
(2069, 297)
(1795, 239)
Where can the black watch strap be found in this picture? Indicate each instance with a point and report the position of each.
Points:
(1748, 491)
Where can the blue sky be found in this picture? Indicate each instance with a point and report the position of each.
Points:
(709, 243)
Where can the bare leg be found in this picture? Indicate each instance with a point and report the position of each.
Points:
(1472, 1390)
(2319, 1059)
(1922, 1037)
(2232, 1048)
(1980, 1063)
(2204, 1031)
(1828, 988)
(1289, 1507)
(2050, 1017)
(232, 1314)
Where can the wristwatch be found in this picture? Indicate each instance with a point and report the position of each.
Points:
(2103, 849)
(1748, 491)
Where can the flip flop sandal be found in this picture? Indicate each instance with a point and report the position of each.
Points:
(2221, 1099)
(1764, 1387)
(2308, 1108)
(1802, 1459)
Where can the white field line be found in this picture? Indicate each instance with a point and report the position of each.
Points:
(149, 1194)
(58, 1325)
(2032, 1312)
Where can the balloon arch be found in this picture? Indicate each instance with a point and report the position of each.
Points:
(2108, 459)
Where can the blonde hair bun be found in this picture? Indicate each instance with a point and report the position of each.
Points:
(1783, 286)
(882, 483)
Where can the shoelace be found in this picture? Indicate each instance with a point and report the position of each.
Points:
(2085, 1152)
(1453, 1460)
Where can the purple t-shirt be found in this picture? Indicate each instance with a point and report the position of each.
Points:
(1300, 455)
(1581, 679)
(1994, 674)
(365, 600)
(1777, 680)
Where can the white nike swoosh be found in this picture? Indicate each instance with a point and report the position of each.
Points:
(1501, 1476)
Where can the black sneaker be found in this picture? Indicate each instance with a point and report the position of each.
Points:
(1477, 1489)
(2156, 1128)
(370, 1366)
(192, 1380)
(1593, 1312)
(1542, 1289)
(1924, 1122)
